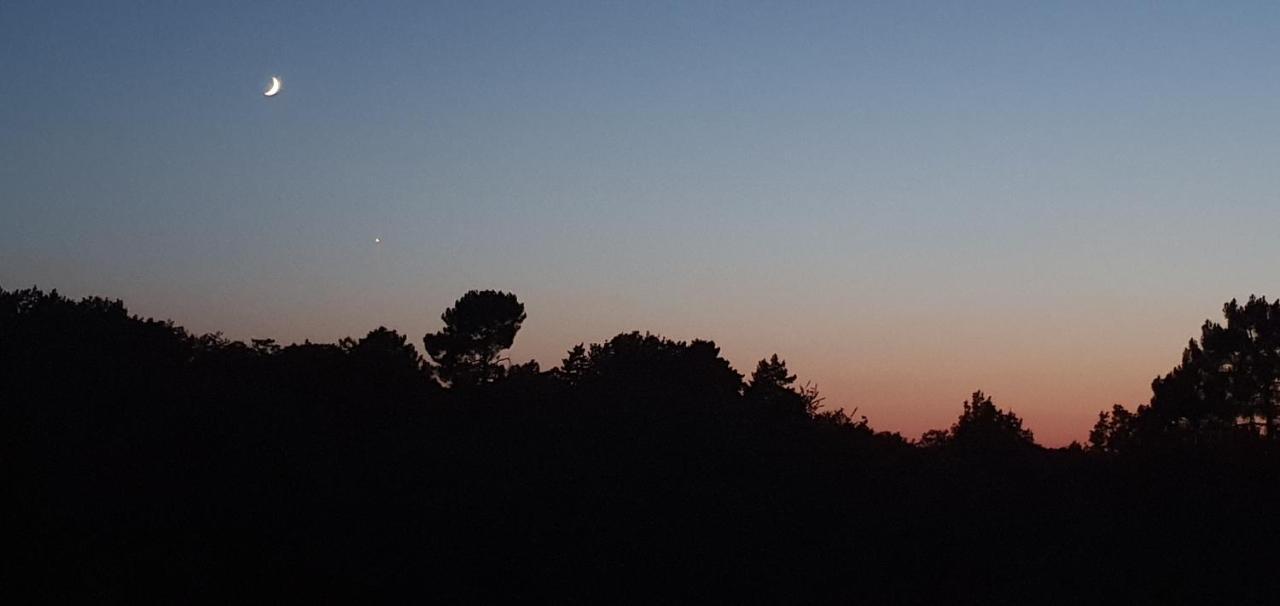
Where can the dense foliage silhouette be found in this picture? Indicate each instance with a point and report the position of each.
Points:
(982, 429)
(1227, 388)
(476, 330)
(142, 462)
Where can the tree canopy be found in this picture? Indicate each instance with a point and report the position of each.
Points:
(478, 327)
(1226, 386)
(982, 427)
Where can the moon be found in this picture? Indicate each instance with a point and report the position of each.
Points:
(275, 87)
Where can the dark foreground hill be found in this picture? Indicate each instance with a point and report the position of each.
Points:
(144, 464)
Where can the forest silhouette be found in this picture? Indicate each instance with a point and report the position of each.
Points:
(143, 462)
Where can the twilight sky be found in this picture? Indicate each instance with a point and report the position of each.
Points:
(906, 201)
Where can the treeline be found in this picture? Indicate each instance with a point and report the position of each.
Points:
(144, 462)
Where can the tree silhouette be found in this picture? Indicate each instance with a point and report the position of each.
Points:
(773, 388)
(140, 458)
(982, 427)
(1116, 430)
(648, 361)
(1226, 386)
(386, 365)
(575, 365)
(1233, 378)
(476, 329)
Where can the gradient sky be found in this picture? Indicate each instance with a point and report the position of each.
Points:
(907, 201)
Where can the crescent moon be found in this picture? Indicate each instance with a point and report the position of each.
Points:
(275, 87)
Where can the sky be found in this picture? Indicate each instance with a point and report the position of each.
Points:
(907, 201)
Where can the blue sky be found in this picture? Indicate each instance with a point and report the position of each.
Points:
(907, 201)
